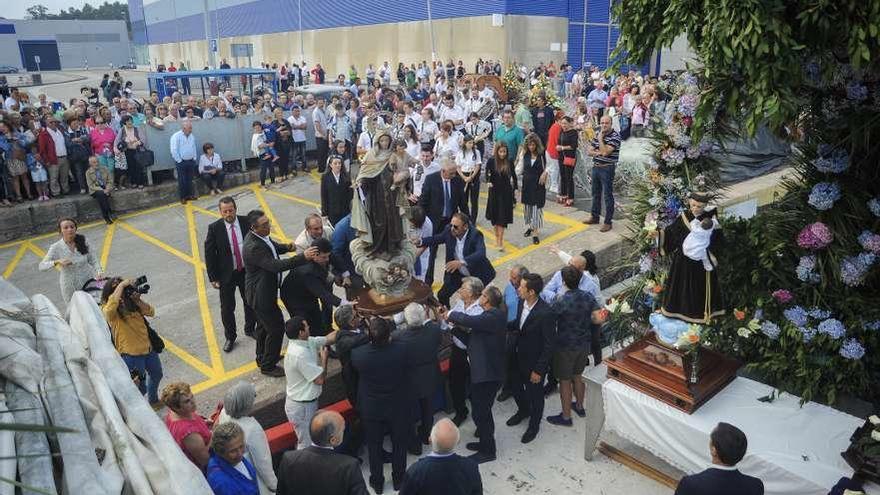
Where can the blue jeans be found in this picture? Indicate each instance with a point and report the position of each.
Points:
(185, 170)
(603, 182)
(153, 367)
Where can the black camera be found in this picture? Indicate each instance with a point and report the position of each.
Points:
(140, 286)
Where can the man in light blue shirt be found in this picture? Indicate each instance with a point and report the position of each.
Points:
(554, 288)
(184, 153)
(511, 300)
(596, 98)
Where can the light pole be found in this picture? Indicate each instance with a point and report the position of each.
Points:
(211, 60)
(302, 48)
(431, 31)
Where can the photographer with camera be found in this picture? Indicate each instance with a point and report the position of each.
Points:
(126, 314)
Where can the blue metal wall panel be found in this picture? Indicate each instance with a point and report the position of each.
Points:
(596, 49)
(273, 16)
(576, 45)
(598, 11)
(7, 28)
(577, 11)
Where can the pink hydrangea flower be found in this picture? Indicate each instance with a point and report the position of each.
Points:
(815, 236)
(782, 296)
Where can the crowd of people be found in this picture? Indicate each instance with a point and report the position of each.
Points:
(522, 338)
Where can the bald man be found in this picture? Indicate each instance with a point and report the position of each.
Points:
(317, 469)
(443, 472)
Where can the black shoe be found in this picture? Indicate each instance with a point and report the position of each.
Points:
(397, 484)
(377, 487)
(275, 372)
(578, 410)
(250, 333)
(481, 457)
(227, 347)
(559, 420)
(475, 446)
(460, 417)
(527, 233)
(516, 419)
(549, 389)
(503, 396)
(529, 435)
(535, 240)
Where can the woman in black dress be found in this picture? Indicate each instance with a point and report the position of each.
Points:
(533, 195)
(501, 181)
(567, 148)
(336, 191)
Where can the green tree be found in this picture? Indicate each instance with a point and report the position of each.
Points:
(754, 52)
(38, 11)
(106, 11)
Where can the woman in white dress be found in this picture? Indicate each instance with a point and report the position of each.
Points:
(469, 161)
(73, 257)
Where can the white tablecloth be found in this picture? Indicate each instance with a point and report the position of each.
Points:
(793, 450)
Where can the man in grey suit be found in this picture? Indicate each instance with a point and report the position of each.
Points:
(422, 338)
(263, 268)
(486, 355)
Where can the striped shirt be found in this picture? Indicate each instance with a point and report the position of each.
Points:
(611, 139)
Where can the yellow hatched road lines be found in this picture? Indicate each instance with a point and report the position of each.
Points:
(215, 372)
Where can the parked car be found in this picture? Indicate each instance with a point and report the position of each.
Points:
(8, 69)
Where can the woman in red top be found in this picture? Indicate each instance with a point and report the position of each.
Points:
(188, 429)
(553, 154)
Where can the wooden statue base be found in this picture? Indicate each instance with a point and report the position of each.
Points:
(371, 303)
(665, 373)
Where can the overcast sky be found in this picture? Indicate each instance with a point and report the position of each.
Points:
(15, 8)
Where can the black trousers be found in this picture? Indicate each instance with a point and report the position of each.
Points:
(529, 397)
(451, 284)
(426, 418)
(298, 154)
(78, 169)
(566, 180)
(482, 398)
(103, 203)
(227, 307)
(322, 151)
(596, 344)
(374, 431)
(511, 367)
(472, 198)
(459, 377)
(269, 333)
(136, 175)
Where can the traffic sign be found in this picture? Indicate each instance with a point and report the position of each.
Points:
(213, 45)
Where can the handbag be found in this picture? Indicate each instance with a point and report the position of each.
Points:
(156, 342)
(144, 157)
(569, 161)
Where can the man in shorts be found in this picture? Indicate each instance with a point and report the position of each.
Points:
(572, 344)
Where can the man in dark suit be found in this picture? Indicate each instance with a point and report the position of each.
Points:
(534, 347)
(727, 446)
(317, 469)
(349, 337)
(383, 399)
(443, 472)
(340, 257)
(224, 246)
(465, 255)
(263, 267)
(442, 196)
(486, 354)
(421, 337)
(308, 284)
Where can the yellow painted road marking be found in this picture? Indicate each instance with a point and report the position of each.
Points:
(36, 249)
(189, 359)
(207, 324)
(105, 250)
(277, 228)
(293, 198)
(156, 242)
(19, 253)
(205, 211)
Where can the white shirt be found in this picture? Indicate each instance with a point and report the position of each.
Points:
(419, 178)
(365, 140)
(209, 163)
(454, 114)
(241, 468)
(459, 253)
(468, 160)
(473, 310)
(319, 118)
(298, 135)
(414, 149)
(427, 230)
(427, 130)
(487, 93)
(471, 105)
(301, 367)
(58, 139)
(274, 253)
(413, 119)
(235, 229)
(525, 312)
